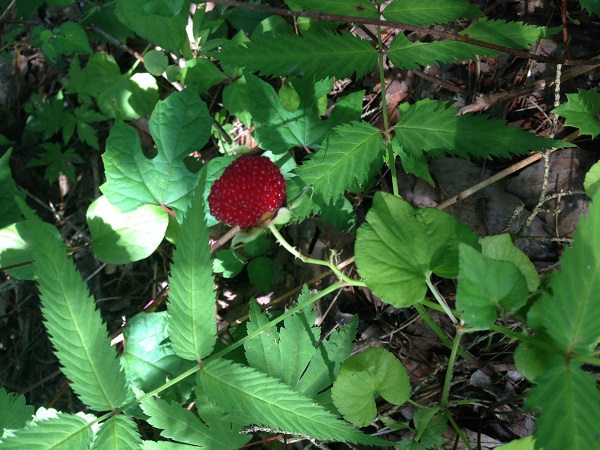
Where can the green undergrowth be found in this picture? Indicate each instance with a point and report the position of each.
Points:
(282, 375)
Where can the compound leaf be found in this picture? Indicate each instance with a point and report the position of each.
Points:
(399, 247)
(435, 128)
(405, 54)
(347, 157)
(64, 431)
(315, 54)
(180, 124)
(375, 370)
(508, 34)
(182, 425)
(353, 8)
(254, 397)
(74, 324)
(118, 433)
(582, 111)
(192, 302)
(429, 12)
(569, 401)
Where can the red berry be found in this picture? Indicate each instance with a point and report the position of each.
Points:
(250, 188)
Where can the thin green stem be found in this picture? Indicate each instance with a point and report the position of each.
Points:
(386, 123)
(450, 369)
(458, 430)
(441, 300)
(290, 248)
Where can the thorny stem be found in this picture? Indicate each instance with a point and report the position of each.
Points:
(290, 248)
(405, 27)
(386, 125)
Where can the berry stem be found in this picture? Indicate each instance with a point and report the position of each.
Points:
(290, 248)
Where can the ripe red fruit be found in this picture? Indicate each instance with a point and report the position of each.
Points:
(247, 193)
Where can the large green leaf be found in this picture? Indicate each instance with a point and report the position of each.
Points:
(74, 324)
(278, 129)
(484, 284)
(569, 401)
(346, 158)
(405, 54)
(593, 6)
(213, 432)
(429, 12)
(253, 397)
(319, 55)
(192, 300)
(399, 247)
(180, 124)
(119, 433)
(9, 211)
(581, 111)
(121, 238)
(435, 128)
(63, 432)
(362, 377)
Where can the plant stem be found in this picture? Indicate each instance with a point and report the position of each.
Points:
(386, 125)
(458, 430)
(290, 248)
(450, 370)
(441, 300)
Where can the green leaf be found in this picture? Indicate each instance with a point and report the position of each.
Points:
(118, 95)
(429, 12)
(318, 55)
(593, 6)
(279, 129)
(72, 39)
(352, 8)
(592, 180)
(582, 110)
(501, 248)
(16, 249)
(156, 62)
(398, 248)
(165, 8)
(121, 238)
(405, 54)
(192, 300)
(46, 115)
(293, 354)
(14, 413)
(569, 401)
(56, 162)
(347, 157)
(228, 263)
(120, 433)
(149, 359)
(177, 423)
(526, 443)
(202, 73)
(180, 124)
(254, 397)
(235, 99)
(435, 128)
(414, 162)
(508, 34)
(63, 432)
(166, 32)
(532, 360)
(74, 324)
(362, 377)
(485, 284)
(567, 311)
(261, 273)
(9, 211)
